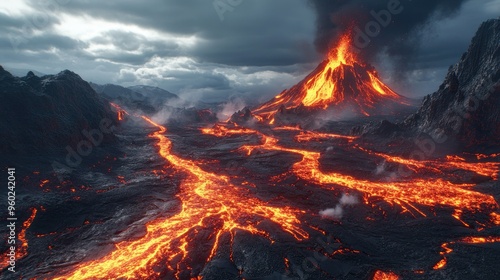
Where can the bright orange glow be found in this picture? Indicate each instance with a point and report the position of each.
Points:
(446, 250)
(440, 264)
(208, 201)
(22, 246)
(381, 275)
(306, 136)
(221, 130)
(320, 88)
(212, 204)
(341, 78)
(429, 192)
(289, 128)
(119, 111)
(495, 218)
(380, 87)
(489, 169)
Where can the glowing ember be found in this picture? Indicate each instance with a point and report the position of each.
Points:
(446, 250)
(22, 246)
(306, 136)
(495, 218)
(381, 275)
(440, 264)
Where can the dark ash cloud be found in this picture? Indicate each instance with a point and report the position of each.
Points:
(400, 38)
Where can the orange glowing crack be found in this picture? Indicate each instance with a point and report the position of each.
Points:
(381, 275)
(22, 245)
(489, 169)
(208, 201)
(424, 192)
(306, 136)
(446, 250)
(429, 192)
(119, 111)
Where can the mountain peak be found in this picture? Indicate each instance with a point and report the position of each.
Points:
(465, 108)
(341, 82)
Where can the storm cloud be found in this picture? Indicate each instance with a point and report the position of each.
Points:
(389, 25)
(253, 50)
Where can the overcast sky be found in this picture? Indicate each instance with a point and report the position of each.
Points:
(204, 49)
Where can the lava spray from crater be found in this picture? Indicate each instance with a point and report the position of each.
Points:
(340, 82)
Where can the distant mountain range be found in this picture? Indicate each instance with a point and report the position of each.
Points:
(147, 98)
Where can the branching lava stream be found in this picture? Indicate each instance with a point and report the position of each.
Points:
(208, 200)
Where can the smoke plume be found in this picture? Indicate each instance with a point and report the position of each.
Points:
(391, 26)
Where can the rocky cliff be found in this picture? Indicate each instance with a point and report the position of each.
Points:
(466, 107)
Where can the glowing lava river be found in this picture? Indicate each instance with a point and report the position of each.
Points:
(262, 202)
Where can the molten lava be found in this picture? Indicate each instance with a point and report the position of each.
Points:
(22, 246)
(340, 82)
(214, 209)
(381, 275)
(446, 250)
(209, 201)
(407, 194)
(404, 193)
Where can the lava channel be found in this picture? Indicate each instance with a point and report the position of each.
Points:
(208, 201)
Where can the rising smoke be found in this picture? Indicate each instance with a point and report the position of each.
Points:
(399, 24)
(337, 212)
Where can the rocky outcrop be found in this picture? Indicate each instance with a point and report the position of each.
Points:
(466, 107)
(45, 114)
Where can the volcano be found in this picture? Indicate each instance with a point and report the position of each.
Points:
(339, 83)
(197, 198)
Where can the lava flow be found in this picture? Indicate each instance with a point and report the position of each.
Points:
(446, 250)
(22, 246)
(407, 194)
(381, 275)
(489, 169)
(209, 202)
(340, 82)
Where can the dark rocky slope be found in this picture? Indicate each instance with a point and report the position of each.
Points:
(46, 114)
(466, 107)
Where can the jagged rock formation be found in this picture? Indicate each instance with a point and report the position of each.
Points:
(48, 113)
(466, 107)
